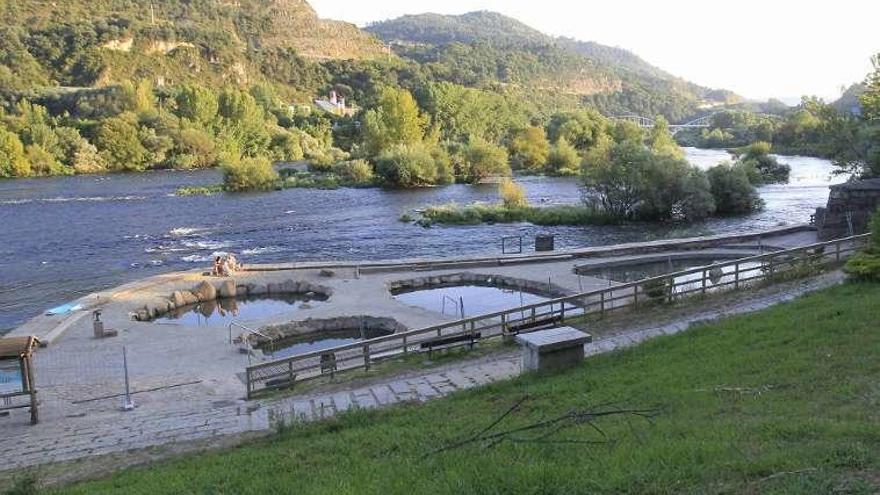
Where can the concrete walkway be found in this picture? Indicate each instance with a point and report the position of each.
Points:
(99, 439)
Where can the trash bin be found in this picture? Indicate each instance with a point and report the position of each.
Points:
(544, 242)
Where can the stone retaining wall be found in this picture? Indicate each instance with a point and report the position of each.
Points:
(858, 200)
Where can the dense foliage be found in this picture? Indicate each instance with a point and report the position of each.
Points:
(866, 264)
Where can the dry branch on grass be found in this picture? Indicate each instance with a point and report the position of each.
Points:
(545, 431)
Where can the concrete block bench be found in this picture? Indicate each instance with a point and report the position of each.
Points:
(552, 349)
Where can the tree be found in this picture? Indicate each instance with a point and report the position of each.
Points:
(396, 120)
(529, 149)
(482, 159)
(120, 144)
(733, 192)
(13, 162)
(870, 99)
(661, 141)
(196, 104)
(563, 159)
(243, 120)
(581, 129)
(628, 180)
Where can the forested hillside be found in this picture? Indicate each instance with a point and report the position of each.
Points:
(128, 85)
(485, 48)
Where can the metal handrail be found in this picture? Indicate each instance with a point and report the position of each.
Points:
(247, 330)
(606, 298)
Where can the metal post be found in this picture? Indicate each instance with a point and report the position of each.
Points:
(127, 404)
(636, 295)
(837, 250)
(736, 276)
(703, 281)
(602, 303)
(405, 350)
(367, 357)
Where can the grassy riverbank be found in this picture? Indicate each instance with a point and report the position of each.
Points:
(452, 214)
(782, 401)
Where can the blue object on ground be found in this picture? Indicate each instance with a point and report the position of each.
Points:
(63, 309)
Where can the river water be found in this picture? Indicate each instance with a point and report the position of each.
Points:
(61, 238)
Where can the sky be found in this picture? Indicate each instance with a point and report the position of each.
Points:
(759, 49)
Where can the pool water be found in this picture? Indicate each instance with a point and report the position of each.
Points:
(224, 311)
(317, 342)
(477, 300)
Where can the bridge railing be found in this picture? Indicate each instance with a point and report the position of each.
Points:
(733, 274)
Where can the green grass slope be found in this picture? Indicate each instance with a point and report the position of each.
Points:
(782, 401)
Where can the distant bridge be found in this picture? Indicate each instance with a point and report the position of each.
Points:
(646, 123)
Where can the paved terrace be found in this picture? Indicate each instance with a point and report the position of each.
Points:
(187, 379)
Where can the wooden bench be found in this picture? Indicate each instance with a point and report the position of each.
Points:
(439, 343)
(552, 349)
(551, 321)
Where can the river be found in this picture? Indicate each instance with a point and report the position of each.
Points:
(68, 236)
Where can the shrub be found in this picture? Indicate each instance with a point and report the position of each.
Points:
(733, 192)
(286, 147)
(358, 172)
(512, 194)
(249, 174)
(195, 149)
(482, 159)
(763, 168)
(563, 159)
(866, 264)
(13, 162)
(408, 166)
(530, 149)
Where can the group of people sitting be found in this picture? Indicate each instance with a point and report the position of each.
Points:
(225, 265)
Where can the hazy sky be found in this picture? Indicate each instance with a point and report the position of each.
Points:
(780, 48)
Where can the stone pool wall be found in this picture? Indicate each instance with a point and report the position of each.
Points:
(327, 325)
(207, 291)
(479, 279)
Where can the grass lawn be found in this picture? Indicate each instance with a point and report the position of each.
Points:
(782, 401)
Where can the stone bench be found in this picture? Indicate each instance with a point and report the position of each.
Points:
(552, 349)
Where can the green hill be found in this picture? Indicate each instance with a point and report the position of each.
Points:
(485, 48)
(79, 43)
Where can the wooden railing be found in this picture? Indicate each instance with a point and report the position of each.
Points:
(734, 274)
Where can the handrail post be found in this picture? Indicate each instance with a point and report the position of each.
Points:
(405, 348)
(504, 323)
(736, 276)
(367, 357)
(248, 384)
(602, 303)
(837, 250)
(703, 281)
(636, 295)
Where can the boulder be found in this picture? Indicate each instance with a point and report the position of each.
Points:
(227, 289)
(177, 299)
(241, 290)
(257, 290)
(205, 292)
(188, 298)
(327, 273)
